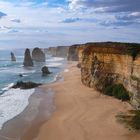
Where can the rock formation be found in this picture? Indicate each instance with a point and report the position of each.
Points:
(60, 51)
(13, 58)
(106, 64)
(38, 55)
(25, 85)
(45, 71)
(73, 53)
(27, 59)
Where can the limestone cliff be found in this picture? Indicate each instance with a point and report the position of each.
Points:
(59, 51)
(104, 64)
(73, 53)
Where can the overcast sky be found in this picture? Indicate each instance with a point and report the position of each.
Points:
(43, 23)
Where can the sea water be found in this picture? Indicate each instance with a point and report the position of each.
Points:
(14, 101)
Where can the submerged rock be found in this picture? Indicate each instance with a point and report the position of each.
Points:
(38, 55)
(26, 85)
(45, 71)
(13, 58)
(27, 59)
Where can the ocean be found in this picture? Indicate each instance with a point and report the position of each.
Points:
(14, 101)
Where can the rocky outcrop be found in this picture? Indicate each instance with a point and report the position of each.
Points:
(13, 58)
(60, 51)
(38, 55)
(45, 71)
(25, 85)
(51, 51)
(27, 59)
(73, 53)
(105, 64)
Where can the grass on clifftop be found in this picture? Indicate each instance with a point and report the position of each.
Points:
(130, 119)
(118, 91)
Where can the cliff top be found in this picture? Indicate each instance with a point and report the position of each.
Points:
(132, 49)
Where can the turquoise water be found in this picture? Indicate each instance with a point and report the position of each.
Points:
(14, 101)
(9, 71)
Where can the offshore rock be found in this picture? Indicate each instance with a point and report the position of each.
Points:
(27, 59)
(26, 85)
(13, 58)
(38, 55)
(45, 71)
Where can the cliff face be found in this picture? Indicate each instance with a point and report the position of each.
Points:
(105, 64)
(60, 51)
(73, 53)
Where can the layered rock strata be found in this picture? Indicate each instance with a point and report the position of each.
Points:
(105, 64)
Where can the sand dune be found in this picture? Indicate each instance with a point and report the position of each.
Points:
(83, 113)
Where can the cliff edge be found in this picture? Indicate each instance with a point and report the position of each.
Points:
(106, 64)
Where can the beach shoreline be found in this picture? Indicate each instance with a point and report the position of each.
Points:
(15, 128)
(82, 113)
(32, 111)
(76, 113)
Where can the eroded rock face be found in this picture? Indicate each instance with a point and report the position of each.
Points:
(13, 58)
(60, 51)
(105, 64)
(73, 53)
(38, 55)
(27, 59)
(45, 71)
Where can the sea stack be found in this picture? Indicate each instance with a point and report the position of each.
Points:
(27, 59)
(45, 71)
(13, 58)
(38, 55)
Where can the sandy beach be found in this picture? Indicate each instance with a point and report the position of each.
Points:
(82, 113)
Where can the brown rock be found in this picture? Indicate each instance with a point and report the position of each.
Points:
(27, 59)
(38, 55)
(45, 71)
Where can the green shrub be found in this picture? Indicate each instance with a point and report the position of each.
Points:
(131, 119)
(118, 91)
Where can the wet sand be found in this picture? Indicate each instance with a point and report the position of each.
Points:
(80, 113)
(38, 111)
(83, 113)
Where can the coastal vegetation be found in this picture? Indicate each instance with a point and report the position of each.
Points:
(131, 119)
(118, 91)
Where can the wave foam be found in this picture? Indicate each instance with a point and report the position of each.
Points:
(8, 87)
(55, 59)
(54, 64)
(12, 103)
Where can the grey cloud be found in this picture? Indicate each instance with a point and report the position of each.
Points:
(132, 16)
(71, 20)
(16, 20)
(108, 5)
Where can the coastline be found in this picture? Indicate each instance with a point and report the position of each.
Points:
(15, 128)
(33, 112)
(82, 113)
(75, 112)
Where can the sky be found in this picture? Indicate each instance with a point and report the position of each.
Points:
(45, 23)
